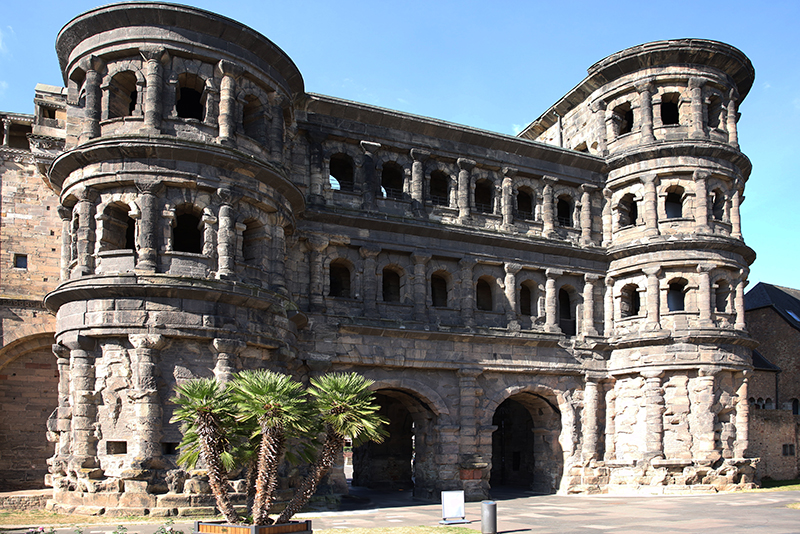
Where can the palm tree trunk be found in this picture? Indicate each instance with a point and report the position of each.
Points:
(216, 473)
(333, 444)
(272, 447)
(252, 473)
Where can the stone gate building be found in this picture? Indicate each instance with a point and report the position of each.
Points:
(561, 310)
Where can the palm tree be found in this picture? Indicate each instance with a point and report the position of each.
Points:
(206, 412)
(347, 409)
(280, 409)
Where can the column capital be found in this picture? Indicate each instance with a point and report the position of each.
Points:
(652, 271)
(318, 243)
(705, 267)
(650, 374)
(591, 277)
(229, 68)
(369, 251)
(65, 213)
(60, 351)
(589, 188)
(147, 185)
(228, 346)
(93, 63)
(154, 53)
(553, 273)
(593, 377)
(708, 371)
(700, 174)
(466, 164)
(228, 195)
(598, 105)
(369, 148)
(469, 372)
(510, 172)
(550, 180)
(467, 263)
(512, 268)
(608, 193)
(85, 194)
(696, 82)
(648, 179)
(419, 154)
(609, 281)
(147, 341)
(420, 257)
(644, 86)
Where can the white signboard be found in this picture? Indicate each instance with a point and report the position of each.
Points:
(453, 507)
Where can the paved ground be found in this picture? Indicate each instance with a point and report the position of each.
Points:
(730, 513)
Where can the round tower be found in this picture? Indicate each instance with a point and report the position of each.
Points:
(176, 208)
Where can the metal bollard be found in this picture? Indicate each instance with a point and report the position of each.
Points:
(488, 517)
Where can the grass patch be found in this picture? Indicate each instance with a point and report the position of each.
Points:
(795, 506)
(37, 518)
(399, 530)
(779, 485)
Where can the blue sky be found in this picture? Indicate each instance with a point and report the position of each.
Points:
(497, 65)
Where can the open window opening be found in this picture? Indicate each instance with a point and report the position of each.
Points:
(391, 285)
(564, 211)
(795, 407)
(118, 230)
(527, 302)
(628, 211)
(341, 172)
(722, 294)
(254, 240)
(339, 280)
(630, 301)
(623, 118)
(187, 235)
(440, 190)
(392, 179)
(17, 135)
(714, 108)
(525, 204)
(253, 118)
(483, 295)
(122, 95)
(483, 196)
(673, 202)
(116, 447)
(718, 205)
(190, 97)
(438, 291)
(21, 261)
(676, 295)
(566, 312)
(670, 113)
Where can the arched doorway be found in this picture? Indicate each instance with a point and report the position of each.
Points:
(404, 461)
(525, 448)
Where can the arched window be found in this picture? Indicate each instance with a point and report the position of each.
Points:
(768, 404)
(795, 407)
(339, 280)
(483, 196)
(718, 205)
(675, 295)
(525, 204)
(714, 111)
(526, 299)
(187, 235)
(630, 303)
(190, 97)
(392, 178)
(483, 295)
(628, 211)
(722, 293)
(623, 118)
(670, 113)
(440, 190)
(391, 285)
(254, 240)
(118, 228)
(564, 211)
(566, 312)
(341, 169)
(673, 203)
(438, 291)
(253, 118)
(122, 95)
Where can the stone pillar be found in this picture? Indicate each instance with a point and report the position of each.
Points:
(607, 220)
(227, 350)
(742, 418)
(611, 413)
(590, 410)
(738, 301)
(147, 259)
(650, 205)
(278, 272)
(736, 221)
(226, 234)
(371, 183)
(653, 298)
(370, 289)
(612, 120)
(276, 128)
(316, 168)
(418, 179)
(229, 72)
(551, 299)
(467, 291)
(701, 199)
(66, 240)
(586, 214)
(85, 234)
(704, 294)
(6, 131)
(510, 284)
(154, 77)
(316, 298)
(548, 207)
(588, 304)
(654, 415)
(696, 93)
(469, 395)
(420, 260)
(146, 441)
(83, 450)
(465, 166)
(63, 413)
(732, 117)
(645, 89)
(507, 198)
(92, 109)
(608, 308)
(702, 423)
(598, 108)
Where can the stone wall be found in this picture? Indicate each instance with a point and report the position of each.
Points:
(774, 437)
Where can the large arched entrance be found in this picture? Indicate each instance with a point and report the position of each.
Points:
(404, 461)
(525, 449)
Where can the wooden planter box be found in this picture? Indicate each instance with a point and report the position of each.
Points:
(299, 527)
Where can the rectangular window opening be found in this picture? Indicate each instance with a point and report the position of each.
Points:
(116, 447)
(20, 261)
(169, 448)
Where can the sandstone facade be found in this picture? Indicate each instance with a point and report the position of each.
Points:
(562, 310)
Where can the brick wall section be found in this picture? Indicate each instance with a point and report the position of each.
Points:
(770, 430)
(28, 394)
(779, 344)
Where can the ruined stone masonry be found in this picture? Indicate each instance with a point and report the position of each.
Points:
(561, 310)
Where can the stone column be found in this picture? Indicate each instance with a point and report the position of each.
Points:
(469, 395)
(316, 298)
(92, 109)
(464, 187)
(645, 89)
(420, 260)
(370, 289)
(276, 128)
(586, 214)
(590, 409)
(316, 168)
(548, 206)
(278, 272)
(226, 234)
(146, 441)
(507, 198)
(83, 450)
(598, 108)
(607, 220)
(418, 179)
(701, 199)
(704, 294)
(85, 234)
(551, 299)
(6, 131)
(467, 291)
(63, 413)
(654, 415)
(702, 423)
(608, 308)
(732, 117)
(588, 304)
(227, 351)
(650, 205)
(736, 221)
(153, 98)
(696, 94)
(738, 301)
(229, 72)
(371, 183)
(147, 259)
(742, 418)
(610, 444)
(66, 240)
(653, 298)
(612, 126)
(510, 284)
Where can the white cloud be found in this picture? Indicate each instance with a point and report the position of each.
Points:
(767, 85)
